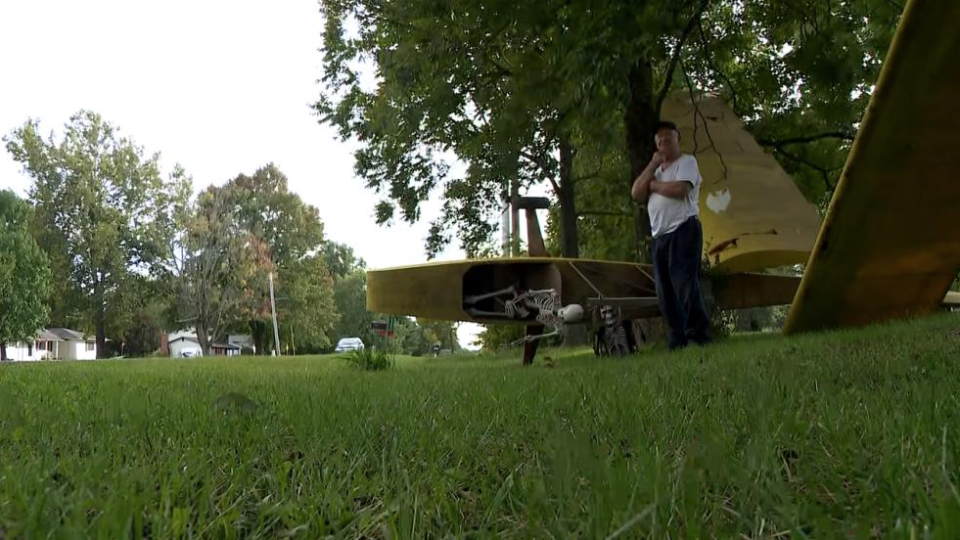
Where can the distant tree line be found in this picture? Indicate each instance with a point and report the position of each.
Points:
(107, 244)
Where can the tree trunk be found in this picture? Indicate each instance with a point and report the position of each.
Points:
(574, 335)
(203, 337)
(568, 203)
(640, 117)
(258, 332)
(3, 351)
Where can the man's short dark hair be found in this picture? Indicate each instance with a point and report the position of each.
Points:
(665, 124)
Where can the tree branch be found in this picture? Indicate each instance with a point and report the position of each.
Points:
(811, 138)
(576, 180)
(614, 213)
(675, 58)
(824, 172)
(706, 125)
(713, 64)
(538, 161)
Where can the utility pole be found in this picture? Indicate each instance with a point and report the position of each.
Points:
(273, 310)
(514, 218)
(505, 223)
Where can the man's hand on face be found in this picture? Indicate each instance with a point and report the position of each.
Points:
(657, 159)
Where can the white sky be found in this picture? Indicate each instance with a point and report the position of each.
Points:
(222, 87)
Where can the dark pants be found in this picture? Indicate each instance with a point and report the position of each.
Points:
(676, 269)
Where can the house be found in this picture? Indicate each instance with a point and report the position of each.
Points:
(224, 349)
(55, 344)
(244, 341)
(184, 344)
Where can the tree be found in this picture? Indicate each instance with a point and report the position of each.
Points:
(350, 296)
(442, 332)
(142, 337)
(450, 92)
(512, 88)
(340, 259)
(24, 275)
(265, 208)
(100, 208)
(223, 268)
(307, 310)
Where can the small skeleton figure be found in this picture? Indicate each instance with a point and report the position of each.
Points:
(543, 304)
(615, 336)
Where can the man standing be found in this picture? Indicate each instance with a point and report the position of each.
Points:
(670, 185)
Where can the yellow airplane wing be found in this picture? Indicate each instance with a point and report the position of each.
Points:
(890, 243)
(475, 290)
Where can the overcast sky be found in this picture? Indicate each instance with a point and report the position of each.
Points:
(221, 87)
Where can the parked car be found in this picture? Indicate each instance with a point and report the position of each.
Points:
(191, 352)
(349, 344)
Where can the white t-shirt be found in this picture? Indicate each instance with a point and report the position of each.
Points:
(666, 213)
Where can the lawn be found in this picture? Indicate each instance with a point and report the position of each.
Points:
(849, 434)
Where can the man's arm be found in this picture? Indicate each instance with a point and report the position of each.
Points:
(675, 190)
(641, 186)
(688, 175)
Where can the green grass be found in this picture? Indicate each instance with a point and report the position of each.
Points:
(851, 434)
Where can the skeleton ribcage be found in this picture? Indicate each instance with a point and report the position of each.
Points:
(547, 305)
(617, 340)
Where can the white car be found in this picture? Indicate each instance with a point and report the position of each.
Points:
(192, 352)
(349, 344)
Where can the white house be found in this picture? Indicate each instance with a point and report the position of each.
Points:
(244, 341)
(184, 344)
(73, 345)
(55, 344)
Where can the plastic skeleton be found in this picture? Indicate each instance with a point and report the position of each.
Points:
(544, 303)
(614, 336)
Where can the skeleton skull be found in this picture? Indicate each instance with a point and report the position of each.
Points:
(570, 314)
(610, 315)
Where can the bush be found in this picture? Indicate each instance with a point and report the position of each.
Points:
(369, 359)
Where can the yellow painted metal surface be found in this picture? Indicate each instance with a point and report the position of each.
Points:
(890, 244)
(437, 290)
(754, 216)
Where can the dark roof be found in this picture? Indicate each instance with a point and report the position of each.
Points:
(185, 338)
(61, 334)
(223, 346)
(47, 335)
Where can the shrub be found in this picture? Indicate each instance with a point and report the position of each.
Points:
(369, 359)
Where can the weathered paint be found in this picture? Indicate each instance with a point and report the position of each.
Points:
(890, 244)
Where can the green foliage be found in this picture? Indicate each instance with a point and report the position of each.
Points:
(24, 274)
(307, 312)
(340, 259)
(369, 359)
(284, 231)
(265, 207)
(442, 333)
(456, 81)
(497, 337)
(142, 338)
(103, 212)
(350, 297)
(223, 268)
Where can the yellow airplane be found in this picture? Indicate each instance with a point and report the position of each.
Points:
(889, 246)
